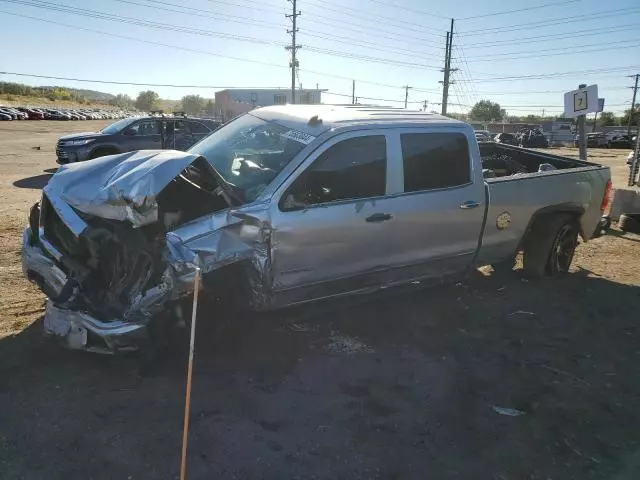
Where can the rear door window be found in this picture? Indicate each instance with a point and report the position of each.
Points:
(435, 160)
(350, 169)
(198, 128)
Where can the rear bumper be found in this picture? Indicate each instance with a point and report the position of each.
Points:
(76, 329)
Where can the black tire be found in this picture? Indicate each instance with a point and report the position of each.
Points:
(629, 222)
(101, 152)
(550, 246)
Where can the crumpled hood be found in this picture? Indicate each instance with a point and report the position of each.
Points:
(119, 187)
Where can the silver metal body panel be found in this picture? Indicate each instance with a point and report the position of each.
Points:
(579, 189)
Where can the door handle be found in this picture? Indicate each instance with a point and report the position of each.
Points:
(378, 217)
(469, 204)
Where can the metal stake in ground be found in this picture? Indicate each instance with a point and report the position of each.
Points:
(187, 402)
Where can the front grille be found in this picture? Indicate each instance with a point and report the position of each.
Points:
(55, 231)
(60, 153)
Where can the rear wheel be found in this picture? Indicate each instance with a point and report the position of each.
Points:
(550, 246)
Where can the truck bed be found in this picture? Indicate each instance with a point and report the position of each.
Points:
(520, 191)
(507, 160)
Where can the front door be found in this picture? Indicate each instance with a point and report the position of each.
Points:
(331, 228)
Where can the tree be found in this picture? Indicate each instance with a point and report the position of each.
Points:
(121, 100)
(607, 119)
(210, 108)
(192, 104)
(624, 120)
(147, 100)
(486, 110)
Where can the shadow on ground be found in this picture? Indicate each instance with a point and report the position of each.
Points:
(400, 385)
(51, 170)
(35, 182)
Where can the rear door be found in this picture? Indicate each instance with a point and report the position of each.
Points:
(438, 217)
(330, 225)
(198, 131)
(143, 135)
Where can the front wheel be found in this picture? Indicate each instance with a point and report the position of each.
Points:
(550, 246)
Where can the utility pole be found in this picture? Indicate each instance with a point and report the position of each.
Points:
(353, 92)
(633, 103)
(447, 70)
(595, 121)
(294, 48)
(582, 138)
(424, 105)
(406, 95)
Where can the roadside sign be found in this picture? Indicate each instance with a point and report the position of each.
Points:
(600, 104)
(581, 101)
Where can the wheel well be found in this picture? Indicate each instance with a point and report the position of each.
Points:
(102, 151)
(575, 211)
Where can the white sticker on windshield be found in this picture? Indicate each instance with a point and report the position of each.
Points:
(297, 136)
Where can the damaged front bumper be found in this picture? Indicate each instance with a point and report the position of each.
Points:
(77, 330)
(80, 331)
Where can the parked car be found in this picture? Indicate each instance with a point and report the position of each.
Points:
(291, 204)
(32, 114)
(507, 139)
(7, 111)
(483, 136)
(597, 140)
(134, 133)
(532, 138)
(5, 116)
(20, 115)
(619, 141)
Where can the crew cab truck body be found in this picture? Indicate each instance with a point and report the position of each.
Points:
(291, 204)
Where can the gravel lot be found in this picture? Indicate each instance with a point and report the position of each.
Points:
(397, 386)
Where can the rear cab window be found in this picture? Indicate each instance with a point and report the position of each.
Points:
(435, 160)
(351, 169)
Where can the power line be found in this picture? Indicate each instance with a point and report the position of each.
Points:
(203, 13)
(529, 92)
(271, 25)
(552, 37)
(344, 10)
(192, 50)
(557, 21)
(251, 5)
(116, 82)
(138, 22)
(408, 9)
(554, 49)
(556, 74)
(178, 28)
(566, 51)
(506, 12)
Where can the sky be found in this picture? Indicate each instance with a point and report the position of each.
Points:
(522, 54)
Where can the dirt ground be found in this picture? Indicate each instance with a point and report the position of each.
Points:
(410, 384)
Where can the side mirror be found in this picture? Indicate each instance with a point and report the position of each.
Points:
(129, 132)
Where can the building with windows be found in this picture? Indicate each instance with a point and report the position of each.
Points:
(233, 102)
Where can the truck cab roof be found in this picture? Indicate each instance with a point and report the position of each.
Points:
(316, 119)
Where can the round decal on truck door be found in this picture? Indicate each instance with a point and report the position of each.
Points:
(503, 221)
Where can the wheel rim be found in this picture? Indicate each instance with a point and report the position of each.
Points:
(563, 249)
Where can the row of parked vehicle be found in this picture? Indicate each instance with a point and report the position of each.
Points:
(607, 140)
(38, 113)
(529, 138)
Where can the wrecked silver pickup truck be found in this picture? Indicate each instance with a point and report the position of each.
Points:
(292, 204)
